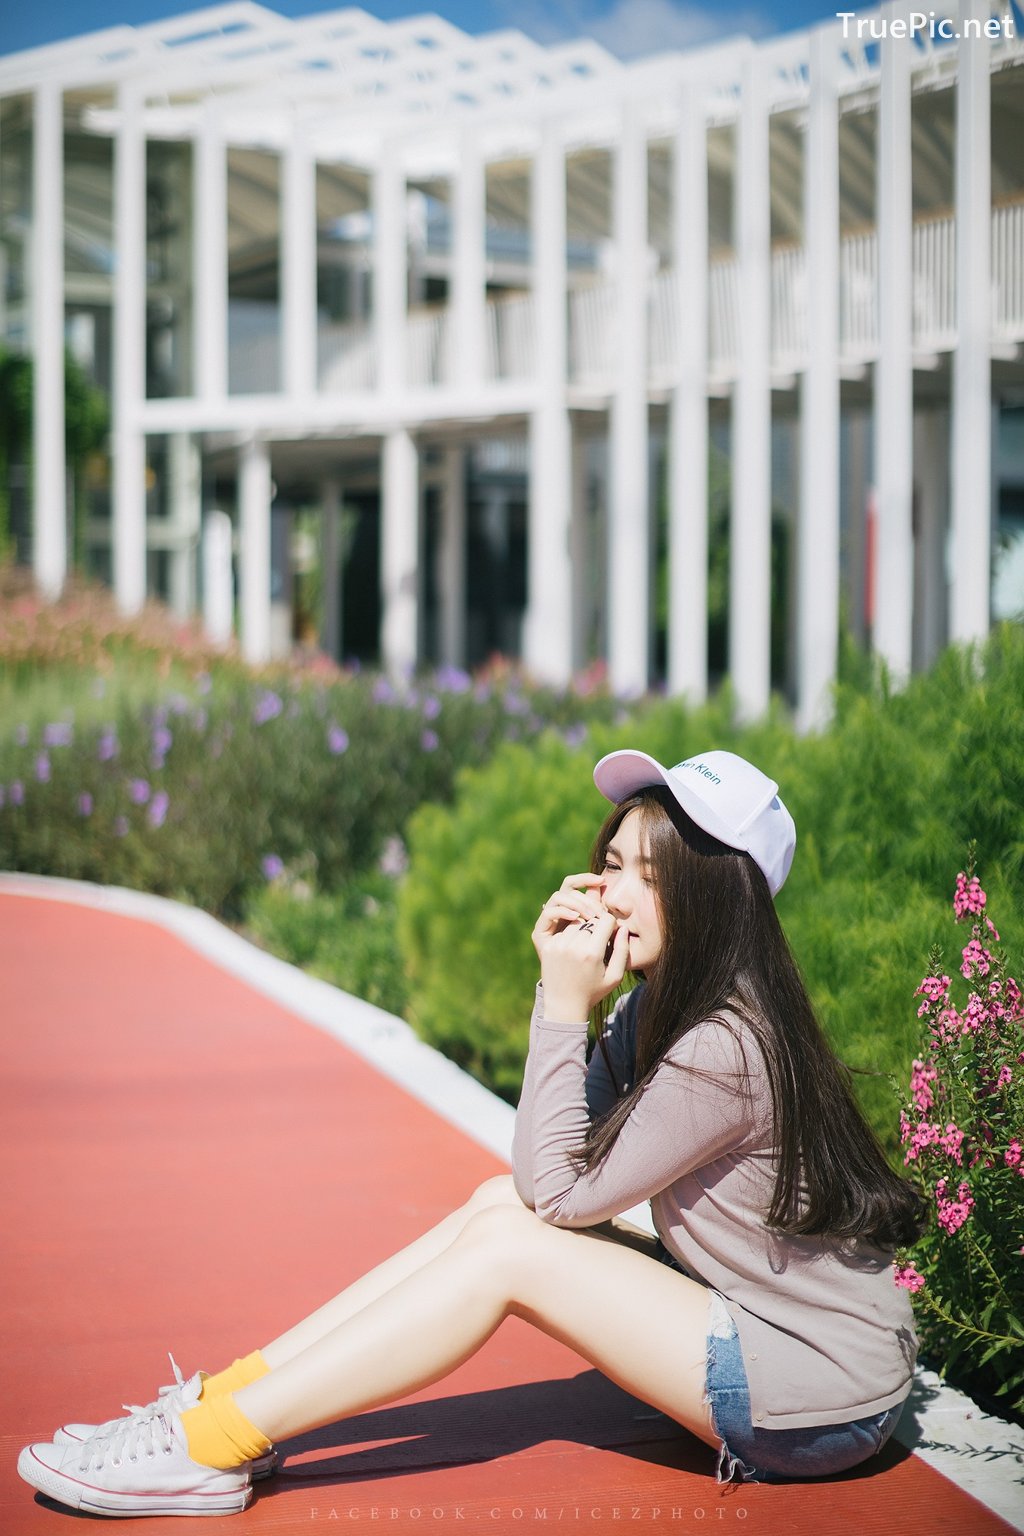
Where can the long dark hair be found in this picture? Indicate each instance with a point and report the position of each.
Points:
(724, 950)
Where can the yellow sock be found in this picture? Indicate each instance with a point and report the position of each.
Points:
(220, 1435)
(241, 1373)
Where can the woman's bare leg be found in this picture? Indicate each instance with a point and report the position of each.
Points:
(642, 1324)
(497, 1191)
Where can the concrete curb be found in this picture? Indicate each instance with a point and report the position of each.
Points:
(981, 1454)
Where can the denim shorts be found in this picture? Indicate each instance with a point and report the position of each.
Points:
(773, 1455)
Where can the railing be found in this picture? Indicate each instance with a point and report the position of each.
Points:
(511, 337)
(1008, 271)
(347, 354)
(254, 348)
(592, 334)
(427, 348)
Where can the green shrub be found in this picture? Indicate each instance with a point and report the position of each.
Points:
(882, 801)
(347, 938)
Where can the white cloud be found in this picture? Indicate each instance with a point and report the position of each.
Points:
(632, 29)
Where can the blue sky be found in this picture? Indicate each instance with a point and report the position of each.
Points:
(628, 28)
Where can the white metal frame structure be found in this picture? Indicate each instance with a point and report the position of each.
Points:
(419, 101)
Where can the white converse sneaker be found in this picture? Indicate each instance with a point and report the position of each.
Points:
(171, 1398)
(142, 1468)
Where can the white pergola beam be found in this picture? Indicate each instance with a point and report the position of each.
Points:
(971, 466)
(129, 356)
(894, 379)
(49, 470)
(629, 541)
(688, 411)
(750, 539)
(818, 519)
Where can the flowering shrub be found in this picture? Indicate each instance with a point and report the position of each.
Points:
(961, 1131)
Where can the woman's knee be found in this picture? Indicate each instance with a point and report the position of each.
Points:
(502, 1230)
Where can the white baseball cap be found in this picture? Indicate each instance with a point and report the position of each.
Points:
(722, 793)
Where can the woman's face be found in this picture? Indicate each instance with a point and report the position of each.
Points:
(627, 891)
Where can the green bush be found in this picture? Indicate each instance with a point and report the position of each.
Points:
(347, 938)
(883, 801)
(131, 760)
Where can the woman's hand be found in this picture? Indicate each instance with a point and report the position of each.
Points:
(582, 948)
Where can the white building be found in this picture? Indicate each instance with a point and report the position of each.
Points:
(478, 308)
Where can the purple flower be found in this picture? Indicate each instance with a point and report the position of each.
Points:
(108, 746)
(383, 693)
(178, 704)
(43, 768)
(158, 808)
(17, 792)
(162, 740)
(482, 692)
(85, 804)
(453, 680)
(204, 682)
(59, 734)
(199, 719)
(268, 706)
(21, 735)
(121, 826)
(429, 741)
(515, 704)
(431, 707)
(273, 867)
(138, 789)
(337, 740)
(574, 735)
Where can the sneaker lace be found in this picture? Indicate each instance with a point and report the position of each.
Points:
(135, 1411)
(149, 1434)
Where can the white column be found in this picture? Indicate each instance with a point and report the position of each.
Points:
(688, 412)
(184, 473)
(817, 637)
(894, 377)
(586, 588)
(46, 286)
(254, 497)
(298, 268)
(629, 541)
(210, 262)
(971, 468)
(469, 275)
(452, 559)
(547, 624)
(218, 581)
(399, 561)
(750, 527)
(390, 276)
(129, 393)
(330, 503)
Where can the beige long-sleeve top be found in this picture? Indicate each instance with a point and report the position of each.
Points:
(826, 1334)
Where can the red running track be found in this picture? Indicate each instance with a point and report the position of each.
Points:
(191, 1167)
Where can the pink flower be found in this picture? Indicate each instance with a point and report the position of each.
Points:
(934, 989)
(969, 897)
(925, 1135)
(974, 1016)
(952, 1142)
(920, 1077)
(907, 1277)
(953, 1213)
(976, 958)
(1013, 1154)
(992, 929)
(1005, 1077)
